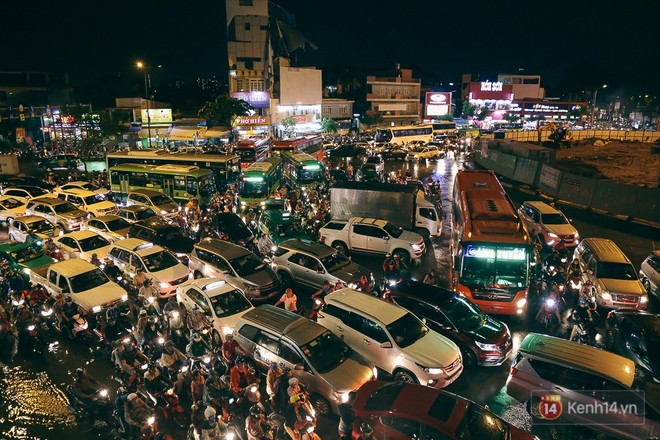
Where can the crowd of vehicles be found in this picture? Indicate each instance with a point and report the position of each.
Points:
(171, 280)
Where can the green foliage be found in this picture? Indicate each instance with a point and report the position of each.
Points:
(223, 110)
(447, 117)
(510, 117)
(330, 125)
(484, 112)
(469, 110)
(371, 120)
(289, 124)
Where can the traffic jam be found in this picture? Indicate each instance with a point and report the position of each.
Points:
(291, 290)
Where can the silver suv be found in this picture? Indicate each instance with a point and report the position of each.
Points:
(649, 273)
(57, 211)
(311, 263)
(218, 258)
(318, 359)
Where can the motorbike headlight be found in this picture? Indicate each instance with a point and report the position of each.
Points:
(151, 420)
(550, 302)
(26, 270)
(644, 299)
(161, 340)
(124, 298)
(85, 325)
(253, 389)
(229, 435)
(151, 300)
(352, 285)
(486, 347)
(30, 327)
(521, 303)
(606, 296)
(175, 314)
(164, 285)
(96, 309)
(47, 312)
(206, 360)
(163, 212)
(103, 392)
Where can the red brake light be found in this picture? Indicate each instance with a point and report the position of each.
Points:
(610, 315)
(513, 371)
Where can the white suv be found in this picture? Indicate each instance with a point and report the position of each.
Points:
(543, 222)
(95, 204)
(57, 211)
(391, 337)
(159, 264)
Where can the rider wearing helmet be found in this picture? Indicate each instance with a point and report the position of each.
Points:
(197, 347)
(69, 310)
(366, 432)
(240, 375)
(254, 423)
(85, 387)
(197, 321)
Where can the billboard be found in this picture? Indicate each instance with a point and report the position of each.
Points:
(252, 120)
(255, 99)
(299, 86)
(157, 116)
(438, 103)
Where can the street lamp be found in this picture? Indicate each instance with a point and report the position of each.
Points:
(142, 66)
(593, 106)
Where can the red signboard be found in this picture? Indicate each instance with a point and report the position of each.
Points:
(487, 90)
(438, 98)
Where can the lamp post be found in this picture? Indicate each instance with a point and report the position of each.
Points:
(593, 106)
(143, 67)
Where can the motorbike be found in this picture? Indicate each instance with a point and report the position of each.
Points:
(172, 409)
(30, 338)
(318, 305)
(98, 410)
(175, 326)
(80, 329)
(549, 315)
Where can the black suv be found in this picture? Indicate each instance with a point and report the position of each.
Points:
(160, 232)
(635, 334)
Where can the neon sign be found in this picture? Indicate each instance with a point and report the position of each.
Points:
(488, 86)
(518, 254)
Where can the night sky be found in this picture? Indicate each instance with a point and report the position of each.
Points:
(574, 45)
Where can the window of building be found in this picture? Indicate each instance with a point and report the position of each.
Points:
(342, 109)
(248, 26)
(327, 109)
(244, 2)
(530, 81)
(256, 85)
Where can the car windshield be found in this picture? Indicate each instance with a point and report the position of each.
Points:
(36, 191)
(419, 149)
(326, 352)
(554, 219)
(26, 254)
(94, 242)
(335, 261)
(62, 208)
(206, 186)
(88, 281)
(289, 229)
(90, 186)
(616, 271)
(145, 213)
(40, 226)
(463, 314)
(92, 200)
(117, 224)
(11, 203)
(160, 199)
(247, 265)
(254, 189)
(407, 330)
(480, 423)
(159, 261)
(508, 272)
(394, 231)
(229, 303)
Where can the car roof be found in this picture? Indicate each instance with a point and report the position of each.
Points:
(48, 201)
(31, 219)
(297, 328)
(583, 356)
(73, 267)
(155, 223)
(309, 246)
(225, 248)
(212, 286)
(606, 250)
(79, 192)
(141, 247)
(279, 215)
(107, 218)
(371, 221)
(426, 292)
(366, 304)
(79, 235)
(133, 208)
(25, 187)
(650, 322)
(12, 246)
(543, 208)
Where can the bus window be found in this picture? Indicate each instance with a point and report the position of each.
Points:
(191, 187)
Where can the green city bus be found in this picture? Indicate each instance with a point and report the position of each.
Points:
(260, 181)
(181, 182)
(302, 169)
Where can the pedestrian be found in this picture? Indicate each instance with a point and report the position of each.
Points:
(290, 301)
(431, 278)
(346, 412)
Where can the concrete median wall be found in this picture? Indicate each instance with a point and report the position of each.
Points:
(576, 135)
(597, 194)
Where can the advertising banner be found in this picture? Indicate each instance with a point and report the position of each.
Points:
(438, 103)
(252, 120)
(255, 99)
(157, 116)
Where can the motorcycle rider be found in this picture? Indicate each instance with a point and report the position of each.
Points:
(391, 273)
(50, 247)
(111, 270)
(229, 348)
(274, 373)
(151, 332)
(346, 412)
(69, 310)
(149, 294)
(85, 388)
(550, 304)
(140, 326)
(171, 359)
(120, 404)
(197, 346)
(240, 376)
(366, 432)
(256, 424)
(250, 216)
(95, 260)
(131, 358)
(582, 315)
(211, 428)
(264, 244)
(431, 278)
(197, 386)
(136, 413)
(197, 321)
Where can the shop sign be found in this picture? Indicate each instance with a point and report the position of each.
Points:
(300, 119)
(20, 134)
(255, 99)
(157, 116)
(488, 86)
(252, 120)
(438, 98)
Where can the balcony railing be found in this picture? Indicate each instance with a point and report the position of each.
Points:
(374, 79)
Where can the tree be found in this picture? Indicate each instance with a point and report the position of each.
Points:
(330, 125)
(511, 118)
(371, 119)
(289, 124)
(447, 117)
(483, 113)
(223, 110)
(468, 110)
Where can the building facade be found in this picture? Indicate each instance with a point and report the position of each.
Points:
(523, 86)
(396, 97)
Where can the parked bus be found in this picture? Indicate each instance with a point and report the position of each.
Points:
(490, 247)
(301, 169)
(260, 181)
(404, 134)
(252, 149)
(312, 145)
(443, 127)
(181, 182)
(226, 168)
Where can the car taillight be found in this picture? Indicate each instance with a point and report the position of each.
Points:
(610, 315)
(513, 371)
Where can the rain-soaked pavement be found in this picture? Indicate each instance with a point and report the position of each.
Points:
(33, 403)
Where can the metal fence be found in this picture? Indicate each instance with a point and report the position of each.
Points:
(576, 135)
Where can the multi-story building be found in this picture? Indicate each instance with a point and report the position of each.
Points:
(524, 86)
(395, 97)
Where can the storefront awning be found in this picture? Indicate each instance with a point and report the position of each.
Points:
(186, 133)
(216, 133)
(156, 132)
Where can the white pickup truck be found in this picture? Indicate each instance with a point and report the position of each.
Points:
(372, 236)
(89, 287)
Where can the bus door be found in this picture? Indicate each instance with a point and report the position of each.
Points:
(124, 186)
(168, 186)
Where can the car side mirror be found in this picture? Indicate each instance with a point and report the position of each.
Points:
(386, 237)
(299, 367)
(386, 345)
(320, 271)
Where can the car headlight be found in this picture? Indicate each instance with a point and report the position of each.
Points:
(375, 371)
(96, 309)
(486, 347)
(553, 235)
(415, 246)
(606, 296)
(521, 303)
(71, 220)
(163, 212)
(431, 370)
(644, 299)
(26, 270)
(164, 285)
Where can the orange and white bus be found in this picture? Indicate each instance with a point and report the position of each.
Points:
(491, 249)
(312, 145)
(252, 149)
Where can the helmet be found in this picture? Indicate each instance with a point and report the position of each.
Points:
(196, 337)
(229, 337)
(94, 256)
(69, 299)
(583, 301)
(142, 312)
(388, 255)
(131, 397)
(397, 256)
(239, 360)
(121, 391)
(195, 308)
(169, 344)
(256, 410)
(145, 283)
(273, 366)
(293, 381)
(365, 428)
(79, 372)
(209, 413)
(153, 320)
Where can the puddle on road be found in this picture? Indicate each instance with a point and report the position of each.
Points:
(32, 405)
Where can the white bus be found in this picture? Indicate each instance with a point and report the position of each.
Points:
(443, 127)
(405, 134)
